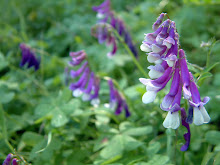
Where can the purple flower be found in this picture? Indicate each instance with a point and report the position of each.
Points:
(200, 114)
(188, 134)
(15, 161)
(184, 74)
(106, 23)
(8, 159)
(28, 57)
(117, 102)
(162, 50)
(87, 84)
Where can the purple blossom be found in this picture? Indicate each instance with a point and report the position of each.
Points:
(162, 50)
(117, 102)
(188, 134)
(87, 84)
(8, 159)
(15, 161)
(200, 114)
(106, 23)
(28, 57)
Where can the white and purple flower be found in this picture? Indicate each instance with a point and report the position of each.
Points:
(161, 47)
(87, 84)
(103, 29)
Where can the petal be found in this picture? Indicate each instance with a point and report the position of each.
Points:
(86, 97)
(152, 57)
(167, 101)
(77, 93)
(197, 116)
(95, 102)
(156, 49)
(149, 97)
(204, 114)
(144, 81)
(145, 48)
(172, 120)
(153, 74)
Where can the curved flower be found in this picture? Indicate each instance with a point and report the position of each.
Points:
(28, 57)
(117, 102)
(87, 84)
(103, 29)
(200, 114)
(184, 74)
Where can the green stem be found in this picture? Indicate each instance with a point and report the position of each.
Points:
(130, 53)
(183, 158)
(169, 144)
(9, 146)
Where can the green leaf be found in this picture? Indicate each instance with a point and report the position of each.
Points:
(207, 158)
(203, 76)
(158, 160)
(121, 59)
(213, 137)
(153, 148)
(3, 62)
(139, 131)
(130, 143)
(125, 125)
(6, 94)
(217, 159)
(114, 148)
(2, 123)
(59, 119)
(212, 66)
(31, 138)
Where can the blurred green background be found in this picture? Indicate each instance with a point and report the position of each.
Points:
(38, 111)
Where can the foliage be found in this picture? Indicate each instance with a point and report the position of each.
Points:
(45, 124)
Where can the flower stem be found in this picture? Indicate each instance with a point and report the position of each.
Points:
(183, 158)
(130, 53)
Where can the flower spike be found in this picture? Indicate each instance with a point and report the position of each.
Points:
(108, 22)
(161, 47)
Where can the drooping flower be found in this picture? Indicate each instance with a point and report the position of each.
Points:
(116, 101)
(107, 21)
(87, 84)
(29, 57)
(200, 114)
(162, 50)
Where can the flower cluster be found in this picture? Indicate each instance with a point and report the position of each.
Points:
(117, 102)
(28, 57)
(88, 84)
(170, 63)
(10, 160)
(106, 23)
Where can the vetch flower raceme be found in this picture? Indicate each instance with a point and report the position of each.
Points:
(87, 84)
(29, 57)
(117, 102)
(108, 22)
(170, 63)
